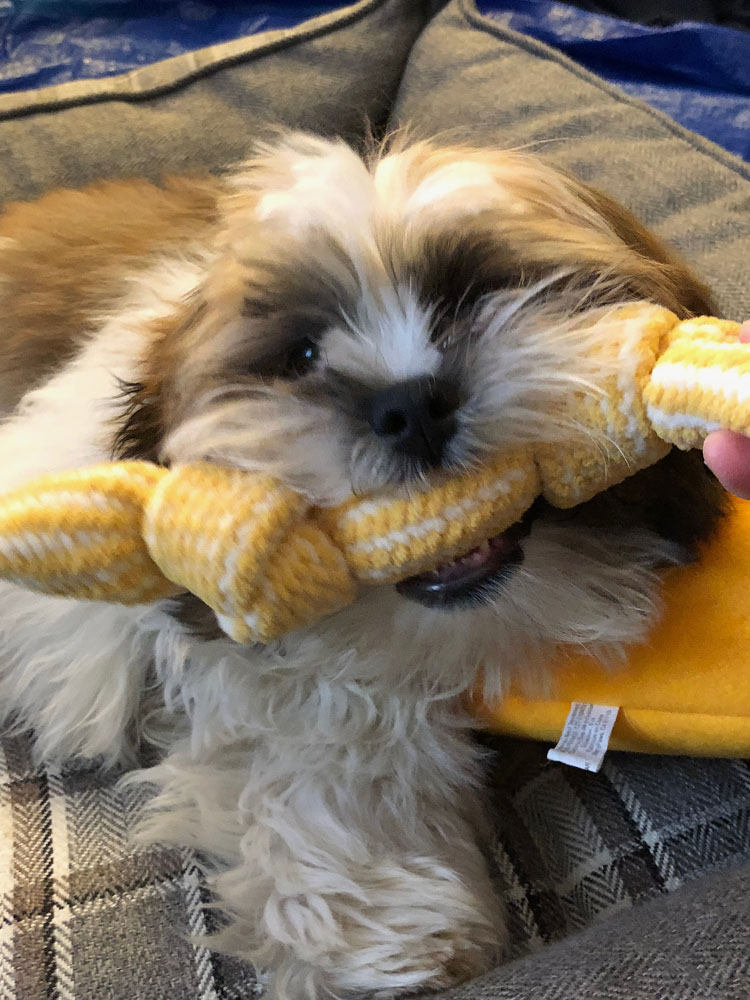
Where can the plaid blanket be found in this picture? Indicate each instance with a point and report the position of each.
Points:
(88, 916)
(572, 846)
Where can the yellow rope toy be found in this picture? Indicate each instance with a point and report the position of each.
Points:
(267, 562)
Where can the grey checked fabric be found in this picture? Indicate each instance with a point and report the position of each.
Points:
(87, 915)
(572, 847)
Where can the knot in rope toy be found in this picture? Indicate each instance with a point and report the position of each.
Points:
(267, 562)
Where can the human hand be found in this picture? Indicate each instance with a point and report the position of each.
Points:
(728, 454)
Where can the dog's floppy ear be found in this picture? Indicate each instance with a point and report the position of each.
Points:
(150, 401)
(669, 281)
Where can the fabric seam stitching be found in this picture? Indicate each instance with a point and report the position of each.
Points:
(256, 49)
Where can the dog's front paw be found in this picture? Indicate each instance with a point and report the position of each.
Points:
(409, 929)
(435, 963)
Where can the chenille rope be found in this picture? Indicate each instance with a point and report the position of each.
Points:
(267, 562)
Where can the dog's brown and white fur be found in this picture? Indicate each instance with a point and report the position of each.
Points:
(252, 320)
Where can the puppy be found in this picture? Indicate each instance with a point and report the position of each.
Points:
(349, 326)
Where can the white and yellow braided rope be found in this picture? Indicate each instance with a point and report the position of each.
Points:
(267, 563)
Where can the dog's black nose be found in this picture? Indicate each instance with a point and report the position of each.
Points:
(417, 418)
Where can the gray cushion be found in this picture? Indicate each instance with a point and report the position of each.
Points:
(691, 945)
(471, 78)
(202, 110)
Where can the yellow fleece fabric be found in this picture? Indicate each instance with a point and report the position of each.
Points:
(686, 690)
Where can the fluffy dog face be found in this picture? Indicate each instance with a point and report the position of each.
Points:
(371, 326)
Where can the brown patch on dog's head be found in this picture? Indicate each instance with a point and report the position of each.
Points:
(668, 279)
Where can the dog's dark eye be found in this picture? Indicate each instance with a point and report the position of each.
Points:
(301, 358)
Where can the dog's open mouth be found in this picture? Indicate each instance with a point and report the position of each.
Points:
(473, 577)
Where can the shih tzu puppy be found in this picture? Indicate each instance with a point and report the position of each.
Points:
(351, 326)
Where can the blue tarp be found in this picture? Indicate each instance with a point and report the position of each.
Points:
(52, 41)
(699, 74)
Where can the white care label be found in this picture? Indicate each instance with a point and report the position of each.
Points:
(585, 738)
